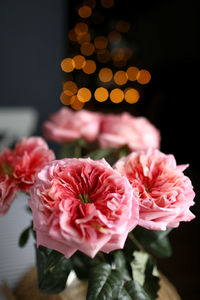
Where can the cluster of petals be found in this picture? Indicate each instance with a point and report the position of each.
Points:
(164, 193)
(68, 125)
(81, 204)
(111, 130)
(19, 168)
(137, 133)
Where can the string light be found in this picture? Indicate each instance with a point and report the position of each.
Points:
(120, 77)
(70, 88)
(85, 11)
(131, 95)
(143, 76)
(105, 74)
(132, 73)
(87, 49)
(101, 94)
(89, 67)
(116, 95)
(79, 61)
(84, 95)
(76, 104)
(65, 99)
(67, 65)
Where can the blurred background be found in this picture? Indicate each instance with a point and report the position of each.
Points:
(160, 37)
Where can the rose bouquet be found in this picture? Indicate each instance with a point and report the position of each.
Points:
(104, 208)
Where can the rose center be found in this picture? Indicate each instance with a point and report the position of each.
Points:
(84, 198)
(147, 189)
(6, 169)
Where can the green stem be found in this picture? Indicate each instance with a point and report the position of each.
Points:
(135, 242)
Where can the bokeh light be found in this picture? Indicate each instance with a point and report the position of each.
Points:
(105, 74)
(79, 61)
(85, 11)
(101, 94)
(70, 88)
(84, 94)
(132, 73)
(123, 26)
(143, 76)
(87, 49)
(114, 37)
(107, 3)
(89, 67)
(100, 42)
(67, 65)
(120, 77)
(76, 104)
(116, 95)
(131, 95)
(65, 99)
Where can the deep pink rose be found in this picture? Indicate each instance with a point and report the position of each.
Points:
(30, 156)
(165, 194)
(125, 130)
(81, 204)
(68, 125)
(8, 185)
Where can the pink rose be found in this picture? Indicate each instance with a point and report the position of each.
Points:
(165, 194)
(67, 125)
(125, 130)
(30, 156)
(8, 185)
(81, 204)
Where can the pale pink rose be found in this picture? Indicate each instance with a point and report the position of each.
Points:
(30, 156)
(8, 185)
(81, 204)
(68, 125)
(165, 194)
(125, 130)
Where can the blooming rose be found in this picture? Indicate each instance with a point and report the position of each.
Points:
(30, 156)
(67, 125)
(8, 185)
(125, 130)
(165, 194)
(81, 204)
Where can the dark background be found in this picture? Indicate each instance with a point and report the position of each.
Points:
(33, 38)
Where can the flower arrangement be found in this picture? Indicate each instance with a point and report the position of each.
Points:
(104, 208)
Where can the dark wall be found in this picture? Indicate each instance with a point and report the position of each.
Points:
(32, 37)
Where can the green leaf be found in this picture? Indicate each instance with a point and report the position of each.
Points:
(145, 272)
(154, 241)
(53, 270)
(151, 284)
(23, 239)
(100, 153)
(72, 149)
(132, 290)
(82, 263)
(121, 265)
(104, 282)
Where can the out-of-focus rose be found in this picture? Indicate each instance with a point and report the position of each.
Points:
(165, 194)
(81, 204)
(67, 125)
(8, 185)
(30, 156)
(125, 130)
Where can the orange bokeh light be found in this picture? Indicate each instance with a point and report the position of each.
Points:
(81, 28)
(103, 57)
(67, 65)
(143, 76)
(79, 61)
(84, 95)
(87, 49)
(76, 104)
(70, 88)
(65, 99)
(132, 95)
(120, 77)
(123, 26)
(105, 74)
(116, 95)
(107, 3)
(85, 11)
(89, 67)
(100, 42)
(101, 94)
(132, 73)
